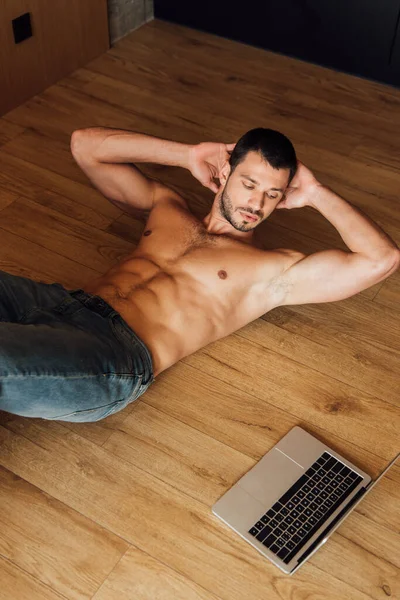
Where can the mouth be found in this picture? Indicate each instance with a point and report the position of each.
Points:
(248, 216)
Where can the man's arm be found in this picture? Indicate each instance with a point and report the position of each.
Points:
(106, 156)
(334, 274)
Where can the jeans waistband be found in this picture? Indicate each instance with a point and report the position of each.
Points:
(100, 306)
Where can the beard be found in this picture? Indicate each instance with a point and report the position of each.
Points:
(228, 213)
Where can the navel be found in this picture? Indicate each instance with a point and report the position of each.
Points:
(148, 232)
(222, 274)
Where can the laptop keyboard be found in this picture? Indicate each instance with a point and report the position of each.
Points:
(295, 517)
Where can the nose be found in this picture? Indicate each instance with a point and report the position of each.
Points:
(256, 201)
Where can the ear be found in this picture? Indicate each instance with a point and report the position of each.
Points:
(224, 173)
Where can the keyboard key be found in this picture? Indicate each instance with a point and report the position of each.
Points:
(301, 494)
(343, 487)
(273, 523)
(313, 506)
(348, 480)
(290, 505)
(334, 497)
(271, 513)
(290, 545)
(306, 488)
(297, 524)
(292, 530)
(278, 531)
(321, 486)
(320, 461)
(288, 520)
(296, 499)
(285, 536)
(283, 552)
(303, 518)
(318, 514)
(318, 501)
(280, 542)
(353, 475)
(284, 511)
(338, 467)
(323, 508)
(330, 463)
(310, 472)
(294, 514)
(323, 495)
(315, 491)
(264, 519)
(331, 475)
(274, 548)
(312, 520)
(253, 531)
(316, 478)
(278, 517)
(277, 506)
(296, 539)
(259, 525)
(263, 534)
(338, 478)
(300, 508)
(334, 484)
(308, 512)
(310, 496)
(307, 526)
(326, 455)
(326, 479)
(269, 541)
(329, 489)
(301, 532)
(328, 503)
(345, 471)
(305, 503)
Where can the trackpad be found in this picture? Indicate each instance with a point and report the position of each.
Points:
(271, 477)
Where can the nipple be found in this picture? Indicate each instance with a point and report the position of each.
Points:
(148, 232)
(222, 274)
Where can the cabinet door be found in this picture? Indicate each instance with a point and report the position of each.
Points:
(351, 35)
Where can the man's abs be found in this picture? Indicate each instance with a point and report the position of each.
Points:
(201, 297)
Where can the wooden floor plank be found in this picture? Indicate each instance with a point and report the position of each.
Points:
(15, 583)
(35, 528)
(141, 577)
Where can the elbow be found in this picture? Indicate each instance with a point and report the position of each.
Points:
(391, 262)
(77, 140)
(84, 142)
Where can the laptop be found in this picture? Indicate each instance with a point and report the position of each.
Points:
(294, 498)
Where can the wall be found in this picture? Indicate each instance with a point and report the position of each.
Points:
(126, 15)
(67, 34)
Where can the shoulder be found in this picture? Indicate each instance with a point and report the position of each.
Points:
(167, 197)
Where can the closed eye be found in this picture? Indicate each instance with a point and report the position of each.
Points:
(248, 187)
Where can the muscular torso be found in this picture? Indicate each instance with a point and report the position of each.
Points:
(183, 288)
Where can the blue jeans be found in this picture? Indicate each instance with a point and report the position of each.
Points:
(66, 354)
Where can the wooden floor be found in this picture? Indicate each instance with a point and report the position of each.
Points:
(121, 509)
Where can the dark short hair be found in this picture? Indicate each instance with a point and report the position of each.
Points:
(274, 147)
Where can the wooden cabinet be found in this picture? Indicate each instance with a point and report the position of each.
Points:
(66, 35)
(357, 36)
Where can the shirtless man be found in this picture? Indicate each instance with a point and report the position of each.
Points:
(191, 282)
